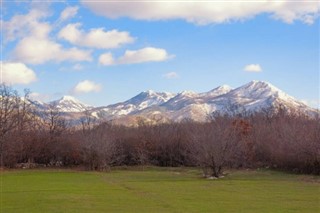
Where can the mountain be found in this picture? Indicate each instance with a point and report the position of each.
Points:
(163, 106)
(69, 104)
(251, 97)
(140, 102)
(181, 100)
(257, 95)
(221, 90)
(189, 98)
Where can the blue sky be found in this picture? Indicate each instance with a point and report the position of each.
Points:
(107, 52)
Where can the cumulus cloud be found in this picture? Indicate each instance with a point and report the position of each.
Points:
(68, 13)
(96, 38)
(29, 24)
(207, 12)
(17, 73)
(34, 44)
(86, 86)
(171, 75)
(106, 59)
(253, 68)
(33, 50)
(147, 54)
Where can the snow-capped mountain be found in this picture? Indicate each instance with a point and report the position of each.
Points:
(221, 90)
(69, 104)
(39, 105)
(258, 90)
(163, 106)
(181, 100)
(190, 98)
(251, 97)
(140, 102)
(257, 95)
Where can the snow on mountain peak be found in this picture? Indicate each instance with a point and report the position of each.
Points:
(258, 90)
(139, 102)
(68, 98)
(260, 84)
(257, 95)
(151, 95)
(188, 93)
(221, 90)
(252, 97)
(151, 92)
(69, 104)
(224, 87)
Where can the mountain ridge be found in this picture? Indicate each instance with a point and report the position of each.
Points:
(68, 104)
(251, 97)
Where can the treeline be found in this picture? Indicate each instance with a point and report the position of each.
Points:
(278, 140)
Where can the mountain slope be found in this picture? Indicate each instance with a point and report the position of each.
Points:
(140, 102)
(257, 95)
(221, 90)
(251, 97)
(162, 106)
(69, 104)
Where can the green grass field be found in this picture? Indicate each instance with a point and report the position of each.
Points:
(157, 190)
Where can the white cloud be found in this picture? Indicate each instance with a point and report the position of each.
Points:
(253, 68)
(206, 12)
(147, 54)
(171, 75)
(17, 73)
(86, 86)
(30, 24)
(37, 51)
(34, 45)
(96, 38)
(68, 13)
(106, 59)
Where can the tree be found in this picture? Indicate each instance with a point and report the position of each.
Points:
(53, 131)
(87, 121)
(213, 145)
(14, 113)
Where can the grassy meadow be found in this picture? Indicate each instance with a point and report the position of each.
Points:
(157, 190)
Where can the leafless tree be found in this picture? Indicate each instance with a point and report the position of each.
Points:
(87, 121)
(14, 113)
(213, 143)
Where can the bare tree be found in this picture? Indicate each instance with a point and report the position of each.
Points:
(87, 121)
(213, 144)
(102, 147)
(143, 144)
(13, 115)
(55, 129)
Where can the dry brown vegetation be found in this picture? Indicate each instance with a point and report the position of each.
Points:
(277, 140)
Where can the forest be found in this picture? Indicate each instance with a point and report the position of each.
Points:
(32, 138)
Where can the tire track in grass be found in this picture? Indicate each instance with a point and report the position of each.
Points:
(147, 195)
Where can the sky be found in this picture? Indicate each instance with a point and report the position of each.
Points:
(104, 52)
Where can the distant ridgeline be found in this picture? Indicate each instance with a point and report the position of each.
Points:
(154, 107)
